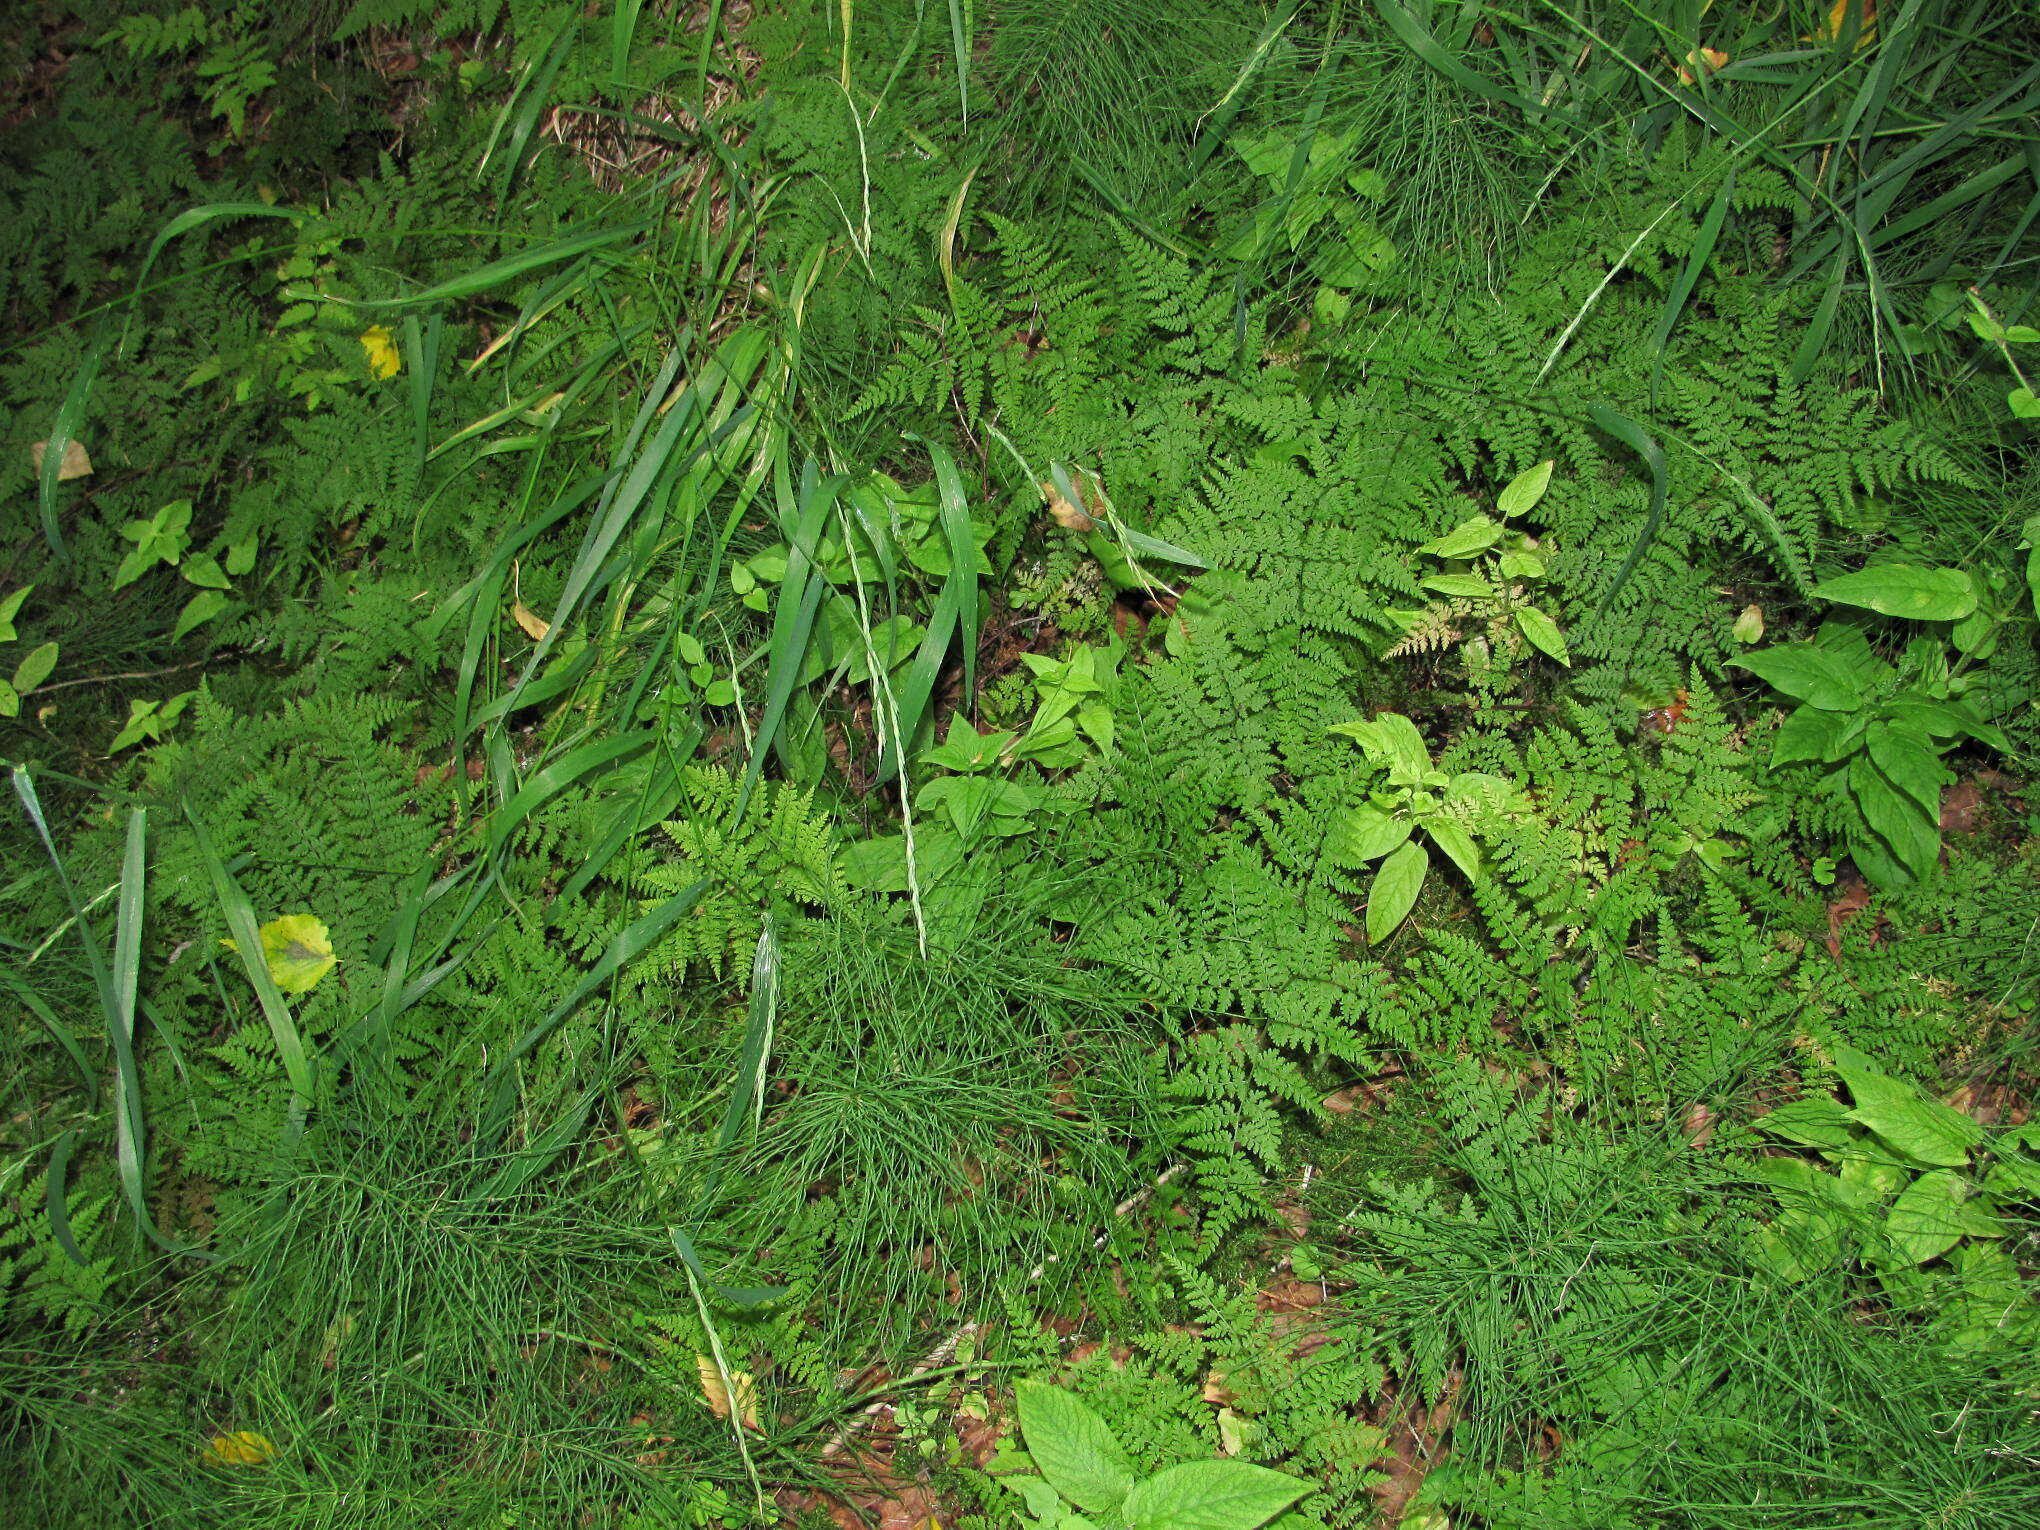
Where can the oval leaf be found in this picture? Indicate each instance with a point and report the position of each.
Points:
(1525, 489)
(1395, 891)
(1212, 1495)
(35, 669)
(1543, 632)
(1364, 834)
(299, 950)
(1071, 1446)
(1808, 674)
(1900, 589)
(1466, 539)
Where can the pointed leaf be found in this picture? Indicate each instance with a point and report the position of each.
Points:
(1466, 539)
(1451, 836)
(1525, 489)
(1212, 1495)
(1071, 1446)
(1901, 589)
(1807, 673)
(1364, 834)
(1395, 890)
(1542, 631)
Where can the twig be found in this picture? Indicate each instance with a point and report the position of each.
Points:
(139, 674)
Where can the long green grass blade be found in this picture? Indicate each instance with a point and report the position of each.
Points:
(240, 917)
(626, 947)
(1638, 440)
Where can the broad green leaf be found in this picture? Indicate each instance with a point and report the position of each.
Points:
(1543, 632)
(204, 571)
(1946, 719)
(1462, 586)
(1910, 1123)
(1901, 589)
(1364, 834)
(1524, 490)
(1807, 673)
(1911, 764)
(1403, 749)
(1451, 836)
(1212, 1495)
(1910, 833)
(35, 669)
(1816, 1122)
(1071, 1446)
(1466, 539)
(199, 610)
(11, 607)
(1395, 890)
(10, 700)
(1926, 1220)
(2023, 404)
(1807, 734)
(1799, 1244)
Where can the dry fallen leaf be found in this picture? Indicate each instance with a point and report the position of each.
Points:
(535, 627)
(76, 463)
(1067, 515)
(719, 1396)
(1709, 58)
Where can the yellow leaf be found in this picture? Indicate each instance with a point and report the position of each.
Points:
(533, 624)
(1699, 60)
(381, 346)
(719, 1397)
(76, 463)
(1838, 16)
(299, 950)
(1070, 516)
(244, 1447)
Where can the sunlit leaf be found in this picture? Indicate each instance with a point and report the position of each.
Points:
(244, 1447)
(718, 1395)
(384, 360)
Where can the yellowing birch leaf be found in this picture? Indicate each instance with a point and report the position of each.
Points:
(244, 1447)
(381, 346)
(535, 627)
(76, 463)
(719, 1396)
(299, 950)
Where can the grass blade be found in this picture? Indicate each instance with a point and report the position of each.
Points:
(1633, 436)
(622, 950)
(240, 917)
(70, 415)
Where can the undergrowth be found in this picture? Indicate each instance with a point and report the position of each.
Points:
(1180, 763)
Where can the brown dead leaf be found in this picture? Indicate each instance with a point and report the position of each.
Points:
(1216, 1391)
(1698, 1124)
(913, 1509)
(1067, 515)
(1854, 899)
(76, 463)
(1960, 807)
